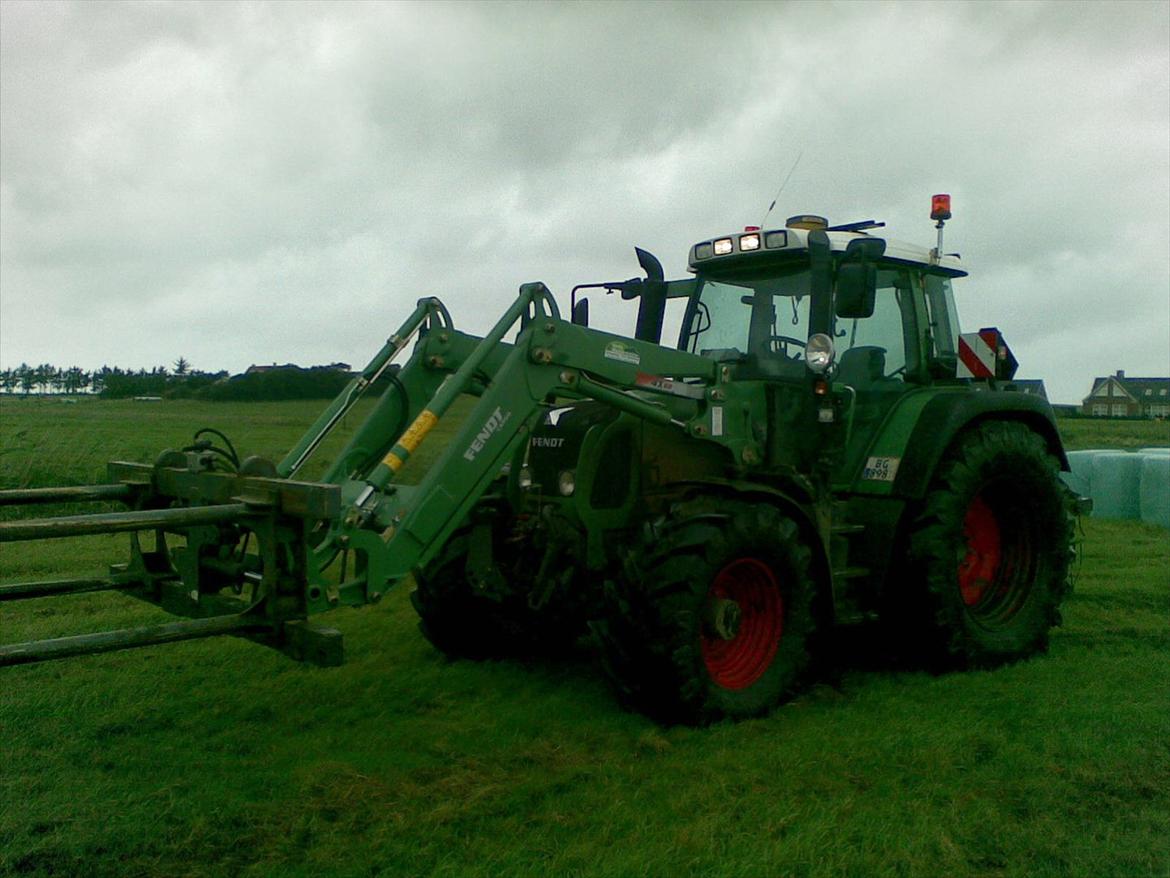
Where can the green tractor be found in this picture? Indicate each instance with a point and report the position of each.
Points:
(821, 447)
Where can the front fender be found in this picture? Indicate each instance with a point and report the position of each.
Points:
(799, 506)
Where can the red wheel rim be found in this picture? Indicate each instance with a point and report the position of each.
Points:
(742, 660)
(980, 566)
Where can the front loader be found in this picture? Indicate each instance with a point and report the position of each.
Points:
(821, 447)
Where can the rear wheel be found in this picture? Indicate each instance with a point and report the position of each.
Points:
(993, 545)
(712, 614)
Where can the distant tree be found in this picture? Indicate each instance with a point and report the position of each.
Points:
(73, 379)
(44, 375)
(28, 377)
(182, 367)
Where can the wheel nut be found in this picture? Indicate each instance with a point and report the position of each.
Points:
(721, 618)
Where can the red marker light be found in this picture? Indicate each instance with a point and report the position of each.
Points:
(940, 207)
(751, 228)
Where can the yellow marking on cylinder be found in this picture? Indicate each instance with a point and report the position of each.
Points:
(417, 431)
(410, 440)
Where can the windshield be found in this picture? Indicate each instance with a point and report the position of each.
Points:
(766, 318)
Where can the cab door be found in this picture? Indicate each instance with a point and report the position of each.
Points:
(878, 359)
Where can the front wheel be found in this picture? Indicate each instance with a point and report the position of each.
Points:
(463, 622)
(712, 614)
(993, 546)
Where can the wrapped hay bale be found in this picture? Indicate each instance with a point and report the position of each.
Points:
(1115, 483)
(1080, 476)
(1154, 493)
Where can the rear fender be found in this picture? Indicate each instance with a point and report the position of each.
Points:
(901, 460)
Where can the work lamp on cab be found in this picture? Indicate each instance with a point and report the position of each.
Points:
(818, 353)
(723, 246)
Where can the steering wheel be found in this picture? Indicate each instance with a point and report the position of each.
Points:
(785, 340)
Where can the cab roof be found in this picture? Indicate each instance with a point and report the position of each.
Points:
(776, 242)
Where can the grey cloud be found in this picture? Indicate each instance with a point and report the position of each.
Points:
(276, 181)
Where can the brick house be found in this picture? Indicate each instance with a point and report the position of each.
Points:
(1116, 396)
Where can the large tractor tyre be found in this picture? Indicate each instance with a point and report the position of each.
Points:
(463, 623)
(992, 546)
(711, 615)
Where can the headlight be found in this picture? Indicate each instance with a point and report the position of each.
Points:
(524, 479)
(818, 353)
(566, 483)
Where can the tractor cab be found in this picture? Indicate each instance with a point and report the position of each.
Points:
(759, 297)
(869, 318)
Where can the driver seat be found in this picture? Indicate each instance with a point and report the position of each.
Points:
(862, 366)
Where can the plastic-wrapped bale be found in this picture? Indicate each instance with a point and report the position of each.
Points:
(1155, 489)
(1080, 476)
(1115, 484)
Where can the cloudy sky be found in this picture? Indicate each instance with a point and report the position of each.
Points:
(250, 183)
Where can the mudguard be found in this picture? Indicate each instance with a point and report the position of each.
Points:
(904, 453)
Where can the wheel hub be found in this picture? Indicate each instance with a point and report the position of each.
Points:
(721, 618)
(743, 621)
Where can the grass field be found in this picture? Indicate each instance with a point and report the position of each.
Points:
(220, 757)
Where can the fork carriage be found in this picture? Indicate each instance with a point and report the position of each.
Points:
(211, 579)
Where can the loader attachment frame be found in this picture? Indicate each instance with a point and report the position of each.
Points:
(259, 551)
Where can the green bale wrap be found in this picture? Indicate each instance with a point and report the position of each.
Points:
(1154, 495)
(1080, 476)
(1115, 484)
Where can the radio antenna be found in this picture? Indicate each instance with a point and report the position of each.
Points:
(780, 191)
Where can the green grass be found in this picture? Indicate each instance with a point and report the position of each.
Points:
(1083, 433)
(220, 757)
(49, 441)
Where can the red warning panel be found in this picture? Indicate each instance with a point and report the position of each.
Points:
(977, 352)
(984, 354)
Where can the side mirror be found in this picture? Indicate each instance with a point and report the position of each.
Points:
(580, 314)
(857, 278)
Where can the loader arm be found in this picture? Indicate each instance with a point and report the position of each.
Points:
(394, 528)
(282, 546)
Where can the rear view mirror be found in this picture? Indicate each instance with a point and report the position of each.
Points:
(581, 313)
(857, 278)
(856, 290)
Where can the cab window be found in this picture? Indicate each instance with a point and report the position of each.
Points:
(763, 318)
(874, 350)
(944, 328)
